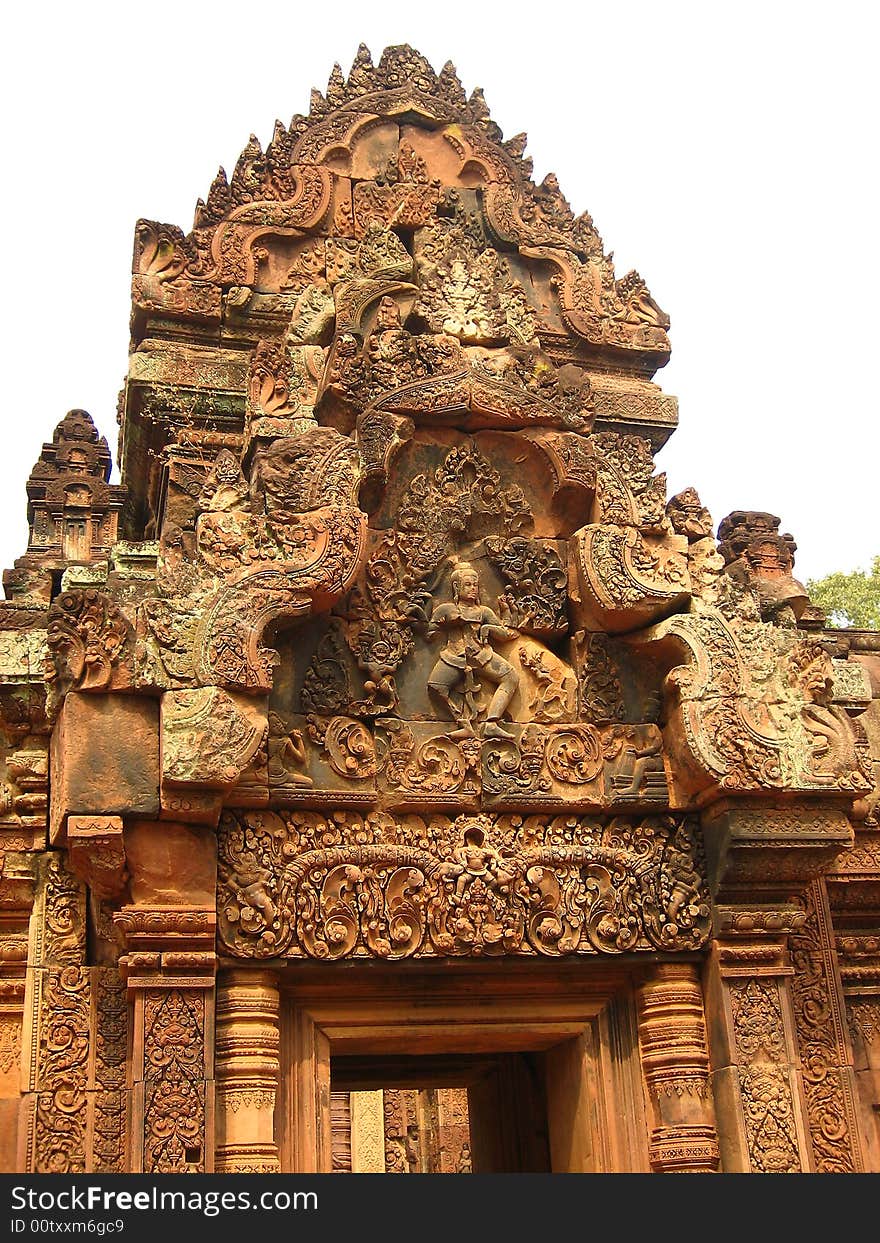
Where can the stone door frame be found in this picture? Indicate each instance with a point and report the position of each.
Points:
(580, 1018)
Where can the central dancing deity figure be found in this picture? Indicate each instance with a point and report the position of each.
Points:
(468, 659)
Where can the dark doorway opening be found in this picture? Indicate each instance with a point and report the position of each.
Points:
(443, 1113)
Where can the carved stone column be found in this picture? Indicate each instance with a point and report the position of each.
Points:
(247, 1070)
(675, 1064)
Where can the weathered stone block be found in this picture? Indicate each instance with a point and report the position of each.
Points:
(96, 853)
(170, 863)
(104, 758)
(209, 737)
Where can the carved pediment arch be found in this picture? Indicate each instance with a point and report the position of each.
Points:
(750, 710)
(381, 149)
(229, 648)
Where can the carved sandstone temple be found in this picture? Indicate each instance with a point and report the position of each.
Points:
(392, 779)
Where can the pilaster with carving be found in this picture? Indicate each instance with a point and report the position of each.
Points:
(823, 1040)
(54, 1132)
(854, 898)
(169, 967)
(755, 1070)
(110, 1025)
(16, 901)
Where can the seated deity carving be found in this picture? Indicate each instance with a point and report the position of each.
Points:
(641, 765)
(468, 659)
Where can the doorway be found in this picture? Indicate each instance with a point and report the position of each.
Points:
(457, 1072)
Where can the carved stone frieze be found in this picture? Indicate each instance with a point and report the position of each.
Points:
(110, 1074)
(577, 765)
(600, 693)
(424, 765)
(59, 927)
(77, 1102)
(374, 886)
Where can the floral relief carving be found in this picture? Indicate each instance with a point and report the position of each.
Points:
(764, 1077)
(60, 1122)
(61, 928)
(820, 1026)
(305, 885)
(87, 638)
(174, 1082)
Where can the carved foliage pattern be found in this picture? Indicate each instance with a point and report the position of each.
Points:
(764, 1082)
(111, 1049)
(536, 597)
(10, 1043)
(329, 887)
(600, 691)
(174, 1081)
(820, 1035)
(864, 1019)
(87, 635)
(60, 1124)
(60, 917)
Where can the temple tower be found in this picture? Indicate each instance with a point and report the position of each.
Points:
(393, 778)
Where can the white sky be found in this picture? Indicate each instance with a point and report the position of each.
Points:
(729, 153)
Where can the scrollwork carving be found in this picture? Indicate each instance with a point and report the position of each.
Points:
(60, 1122)
(359, 886)
(87, 638)
(820, 1026)
(538, 584)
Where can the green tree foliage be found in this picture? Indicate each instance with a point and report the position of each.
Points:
(850, 599)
